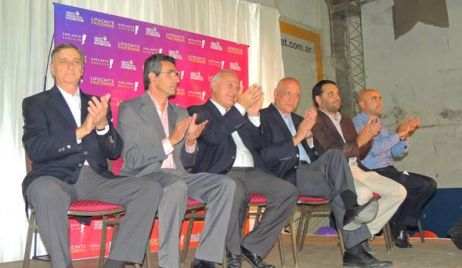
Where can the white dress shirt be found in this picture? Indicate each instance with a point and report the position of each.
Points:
(243, 156)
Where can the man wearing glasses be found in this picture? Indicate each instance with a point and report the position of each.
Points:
(160, 142)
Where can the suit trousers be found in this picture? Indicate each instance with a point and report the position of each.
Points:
(281, 199)
(327, 177)
(51, 198)
(217, 191)
(392, 194)
(419, 189)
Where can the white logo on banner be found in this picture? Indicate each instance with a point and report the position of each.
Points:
(101, 41)
(74, 16)
(222, 64)
(181, 75)
(84, 38)
(216, 46)
(128, 65)
(203, 43)
(234, 66)
(111, 61)
(152, 32)
(136, 86)
(203, 95)
(102, 22)
(137, 27)
(196, 76)
(174, 54)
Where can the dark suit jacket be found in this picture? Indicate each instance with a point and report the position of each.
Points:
(279, 153)
(50, 141)
(217, 150)
(327, 137)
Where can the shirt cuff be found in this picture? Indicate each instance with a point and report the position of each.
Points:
(240, 108)
(255, 120)
(168, 147)
(103, 132)
(190, 148)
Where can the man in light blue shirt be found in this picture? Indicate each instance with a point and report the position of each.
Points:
(386, 146)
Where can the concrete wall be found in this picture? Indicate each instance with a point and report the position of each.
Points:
(420, 74)
(313, 15)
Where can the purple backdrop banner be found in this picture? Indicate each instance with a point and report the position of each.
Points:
(116, 47)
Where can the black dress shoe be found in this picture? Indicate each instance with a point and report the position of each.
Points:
(196, 263)
(367, 248)
(234, 261)
(358, 215)
(402, 241)
(254, 260)
(364, 260)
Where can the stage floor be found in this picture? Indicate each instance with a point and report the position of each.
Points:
(321, 251)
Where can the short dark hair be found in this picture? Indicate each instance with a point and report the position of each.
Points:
(153, 65)
(62, 46)
(317, 89)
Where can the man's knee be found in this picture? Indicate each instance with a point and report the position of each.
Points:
(45, 190)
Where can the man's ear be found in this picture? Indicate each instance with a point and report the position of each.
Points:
(318, 100)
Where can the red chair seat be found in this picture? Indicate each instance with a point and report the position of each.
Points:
(193, 202)
(312, 200)
(93, 206)
(257, 198)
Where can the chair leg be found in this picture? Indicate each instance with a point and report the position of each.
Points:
(305, 231)
(281, 250)
(184, 252)
(293, 238)
(300, 226)
(421, 234)
(340, 242)
(388, 237)
(30, 230)
(102, 249)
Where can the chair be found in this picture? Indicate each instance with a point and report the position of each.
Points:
(192, 215)
(259, 201)
(110, 214)
(313, 207)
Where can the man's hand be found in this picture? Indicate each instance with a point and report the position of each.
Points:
(254, 109)
(195, 130)
(311, 115)
(371, 129)
(179, 131)
(250, 96)
(97, 109)
(85, 129)
(407, 127)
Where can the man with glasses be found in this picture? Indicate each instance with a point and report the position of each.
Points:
(160, 143)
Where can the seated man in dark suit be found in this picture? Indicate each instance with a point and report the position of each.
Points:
(229, 146)
(69, 136)
(289, 156)
(387, 145)
(161, 142)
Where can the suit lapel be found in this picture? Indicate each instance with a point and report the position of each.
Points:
(150, 115)
(84, 99)
(172, 115)
(58, 100)
(280, 121)
(328, 122)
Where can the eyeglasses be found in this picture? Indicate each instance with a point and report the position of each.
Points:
(171, 73)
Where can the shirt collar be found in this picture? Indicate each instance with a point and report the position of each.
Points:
(336, 117)
(283, 114)
(220, 108)
(67, 95)
(157, 105)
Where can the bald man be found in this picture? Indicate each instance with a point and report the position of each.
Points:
(288, 155)
(386, 146)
